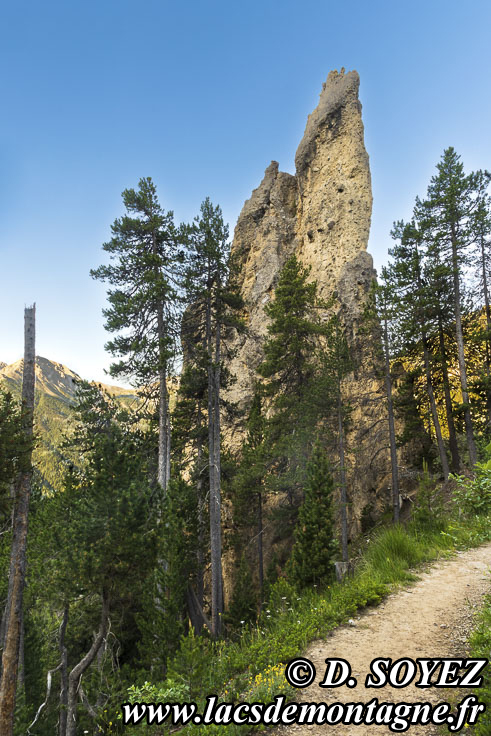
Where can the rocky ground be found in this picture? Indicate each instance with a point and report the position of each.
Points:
(432, 618)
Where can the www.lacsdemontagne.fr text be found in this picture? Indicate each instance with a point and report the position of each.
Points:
(397, 716)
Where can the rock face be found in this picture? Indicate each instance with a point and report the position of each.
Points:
(322, 214)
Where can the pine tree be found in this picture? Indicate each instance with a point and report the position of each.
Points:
(190, 431)
(213, 306)
(408, 276)
(337, 364)
(483, 262)
(249, 485)
(12, 443)
(315, 545)
(447, 219)
(144, 249)
(383, 308)
(290, 367)
(97, 539)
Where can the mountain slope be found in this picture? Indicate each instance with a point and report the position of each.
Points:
(55, 394)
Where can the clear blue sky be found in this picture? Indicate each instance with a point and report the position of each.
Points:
(201, 96)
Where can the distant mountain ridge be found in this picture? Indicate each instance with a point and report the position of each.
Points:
(56, 386)
(53, 379)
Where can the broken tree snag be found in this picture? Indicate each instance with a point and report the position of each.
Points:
(17, 572)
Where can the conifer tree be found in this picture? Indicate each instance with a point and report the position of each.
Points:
(290, 366)
(214, 303)
(408, 276)
(385, 305)
(483, 261)
(12, 442)
(144, 249)
(315, 545)
(190, 455)
(337, 364)
(97, 539)
(249, 481)
(447, 219)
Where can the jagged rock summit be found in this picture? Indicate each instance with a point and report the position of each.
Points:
(322, 214)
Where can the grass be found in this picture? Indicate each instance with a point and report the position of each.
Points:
(252, 665)
(480, 647)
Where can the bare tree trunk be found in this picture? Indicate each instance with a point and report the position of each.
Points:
(392, 431)
(459, 336)
(342, 476)
(75, 675)
(452, 435)
(62, 721)
(10, 660)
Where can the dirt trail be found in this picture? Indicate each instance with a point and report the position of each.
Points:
(431, 618)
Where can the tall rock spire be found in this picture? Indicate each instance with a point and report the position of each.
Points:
(322, 214)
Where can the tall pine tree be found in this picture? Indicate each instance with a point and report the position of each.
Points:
(144, 249)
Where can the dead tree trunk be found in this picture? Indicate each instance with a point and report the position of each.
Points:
(75, 676)
(17, 573)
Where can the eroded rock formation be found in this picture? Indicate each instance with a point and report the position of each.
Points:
(322, 214)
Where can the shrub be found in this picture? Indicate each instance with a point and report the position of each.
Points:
(473, 496)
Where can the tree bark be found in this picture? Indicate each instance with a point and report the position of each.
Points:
(392, 431)
(214, 460)
(452, 435)
(76, 674)
(342, 476)
(10, 659)
(200, 562)
(163, 471)
(62, 721)
(434, 411)
(459, 336)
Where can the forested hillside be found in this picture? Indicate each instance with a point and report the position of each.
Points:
(56, 387)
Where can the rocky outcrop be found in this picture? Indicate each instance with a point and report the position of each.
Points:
(322, 214)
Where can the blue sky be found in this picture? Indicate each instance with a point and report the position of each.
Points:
(201, 96)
